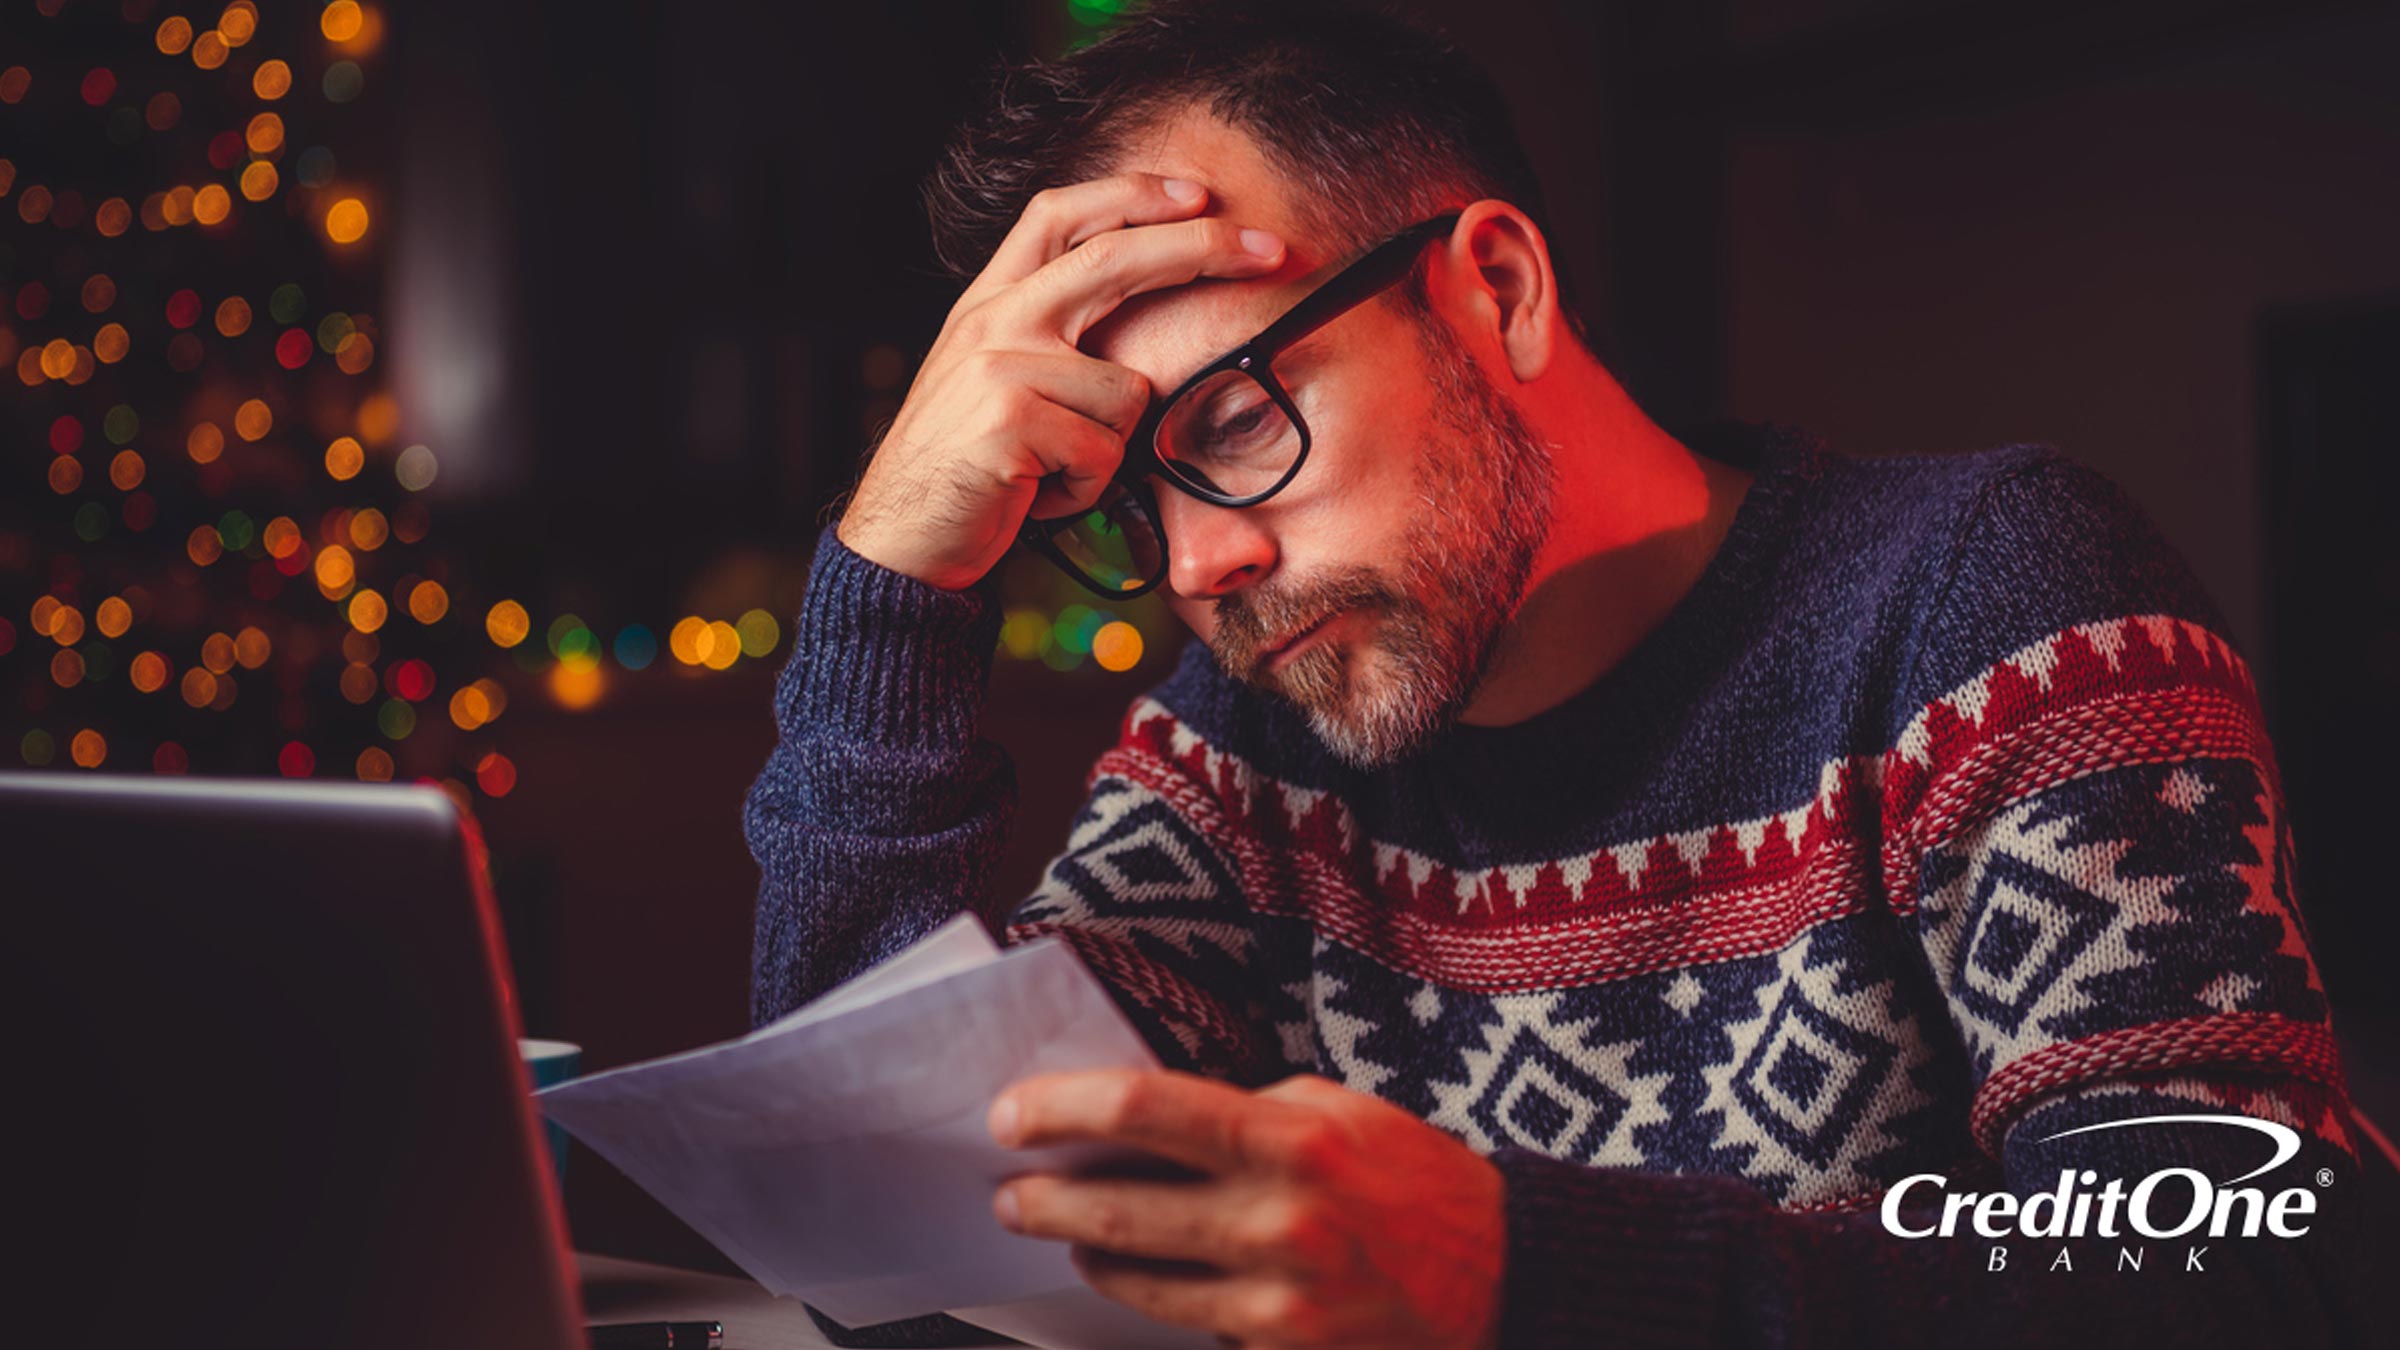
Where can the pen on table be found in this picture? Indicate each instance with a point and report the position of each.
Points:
(656, 1336)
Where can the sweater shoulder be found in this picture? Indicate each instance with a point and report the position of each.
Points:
(2042, 543)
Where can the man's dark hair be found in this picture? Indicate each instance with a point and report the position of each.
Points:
(1375, 122)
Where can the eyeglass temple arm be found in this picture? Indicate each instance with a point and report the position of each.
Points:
(1378, 268)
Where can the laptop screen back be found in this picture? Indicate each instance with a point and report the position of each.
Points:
(267, 1058)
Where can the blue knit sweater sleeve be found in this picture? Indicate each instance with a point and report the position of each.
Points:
(2084, 830)
(881, 810)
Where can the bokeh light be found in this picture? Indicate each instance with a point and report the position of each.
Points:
(724, 648)
(336, 571)
(469, 708)
(395, 719)
(411, 680)
(496, 775)
(341, 21)
(507, 623)
(239, 22)
(199, 687)
(415, 468)
(570, 639)
(253, 419)
(296, 760)
(428, 602)
(636, 647)
(1117, 646)
(576, 685)
(757, 632)
(281, 537)
(346, 221)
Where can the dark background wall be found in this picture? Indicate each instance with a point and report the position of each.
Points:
(677, 251)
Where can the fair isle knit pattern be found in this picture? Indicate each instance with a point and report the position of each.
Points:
(1937, 818)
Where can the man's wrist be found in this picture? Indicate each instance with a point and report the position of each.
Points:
(899, 550)
(885, 657)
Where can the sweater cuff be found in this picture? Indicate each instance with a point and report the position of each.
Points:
(881, 657)
(1609, 1257)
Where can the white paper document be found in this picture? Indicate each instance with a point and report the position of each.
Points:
(839, 1155)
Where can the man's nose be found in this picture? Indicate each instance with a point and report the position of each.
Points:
(1212, 550)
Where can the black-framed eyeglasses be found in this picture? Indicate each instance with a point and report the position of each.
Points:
(1230, 435)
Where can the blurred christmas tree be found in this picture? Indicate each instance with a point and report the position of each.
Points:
(214, 552)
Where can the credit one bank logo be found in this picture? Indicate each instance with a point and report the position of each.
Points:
(2168, 1204)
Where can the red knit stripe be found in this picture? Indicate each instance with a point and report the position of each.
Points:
(2225, 1040)
(2139, 690)
(1218, 1040)
(2155, 727)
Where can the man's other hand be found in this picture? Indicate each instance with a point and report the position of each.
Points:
(1317, 1216)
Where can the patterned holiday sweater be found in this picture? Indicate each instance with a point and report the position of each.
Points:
(1935, 820)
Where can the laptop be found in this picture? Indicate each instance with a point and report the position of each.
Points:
(266, 1051)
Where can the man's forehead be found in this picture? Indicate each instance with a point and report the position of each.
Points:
(1167, 334)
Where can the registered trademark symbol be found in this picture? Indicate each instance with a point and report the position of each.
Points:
(2324, 1176)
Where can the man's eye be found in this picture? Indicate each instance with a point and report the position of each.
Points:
(1245, 422)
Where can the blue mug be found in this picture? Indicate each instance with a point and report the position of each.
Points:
(548, 1062)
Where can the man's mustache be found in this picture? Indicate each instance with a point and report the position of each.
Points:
(1250, 623)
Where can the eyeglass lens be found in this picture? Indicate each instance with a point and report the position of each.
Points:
(1229, 436)
(1116, 543)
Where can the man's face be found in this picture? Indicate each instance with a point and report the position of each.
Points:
(1400, 552)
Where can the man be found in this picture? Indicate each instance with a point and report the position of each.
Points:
(1577, 873)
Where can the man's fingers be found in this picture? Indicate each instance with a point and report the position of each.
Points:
(1059, 218)
(1163, 1220)
(1111, 395)
(1247, 1309)
(1075, 456)
(1078, 288)
(1181, 1117)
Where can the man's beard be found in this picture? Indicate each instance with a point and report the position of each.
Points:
(1487, 488)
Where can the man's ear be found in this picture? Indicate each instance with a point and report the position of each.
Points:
(1502, 266)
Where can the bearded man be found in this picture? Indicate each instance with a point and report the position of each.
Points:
(1579, 870)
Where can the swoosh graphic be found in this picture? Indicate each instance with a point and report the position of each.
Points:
(2287, 1139)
